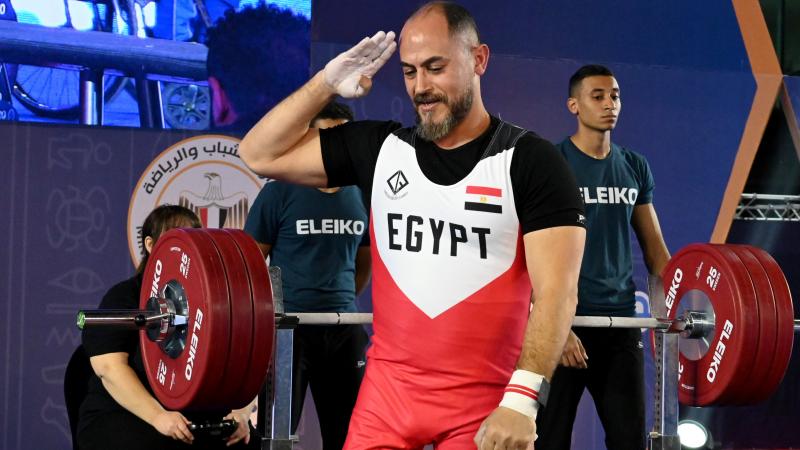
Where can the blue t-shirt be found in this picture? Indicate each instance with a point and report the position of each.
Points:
(610, 188)
(314, 237)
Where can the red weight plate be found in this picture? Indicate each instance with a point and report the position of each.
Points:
(767, 326)
(748, 332)
(210, 400)
(263, 314)
(187, 257)
(699, 275)
(756, 287)
(240, 346)
(784, 324)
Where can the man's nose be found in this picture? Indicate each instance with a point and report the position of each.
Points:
(422, 83)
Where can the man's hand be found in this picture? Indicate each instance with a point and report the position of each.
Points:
(174, 425)
(350, 73)
(506, 429)
(574, 354)
(242, 432)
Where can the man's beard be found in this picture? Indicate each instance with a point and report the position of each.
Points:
(457, 110)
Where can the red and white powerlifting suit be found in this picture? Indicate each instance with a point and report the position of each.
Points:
(451, 300)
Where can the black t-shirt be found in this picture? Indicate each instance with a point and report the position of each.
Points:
(100, 341)
(545, 191)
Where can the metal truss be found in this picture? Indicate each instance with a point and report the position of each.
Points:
(769, 207)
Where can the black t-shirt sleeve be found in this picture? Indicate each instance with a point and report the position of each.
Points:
(350, 150)
(99, 341)
(545, 191)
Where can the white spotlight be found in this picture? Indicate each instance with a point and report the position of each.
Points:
(692, 434)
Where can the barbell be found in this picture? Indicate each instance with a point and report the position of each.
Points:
(208, 321)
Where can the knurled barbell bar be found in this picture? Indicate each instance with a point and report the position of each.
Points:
(209, 323)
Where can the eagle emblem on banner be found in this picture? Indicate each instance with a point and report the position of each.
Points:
(215, 209)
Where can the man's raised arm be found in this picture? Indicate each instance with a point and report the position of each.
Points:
(281, 145)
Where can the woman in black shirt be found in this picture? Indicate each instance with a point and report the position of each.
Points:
(120, 411)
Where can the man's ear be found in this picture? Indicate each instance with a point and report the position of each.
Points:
(572, 105)
(223, 111)
(481, 54)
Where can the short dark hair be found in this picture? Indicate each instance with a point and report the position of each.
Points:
(589, 70)
(334, 111)
(260, 55)
(459, 19)
(162, 219)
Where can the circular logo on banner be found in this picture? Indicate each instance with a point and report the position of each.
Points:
(203, 173)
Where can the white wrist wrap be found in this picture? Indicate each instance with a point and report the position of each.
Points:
(522, 393)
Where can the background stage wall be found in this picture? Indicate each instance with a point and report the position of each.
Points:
(687, 90)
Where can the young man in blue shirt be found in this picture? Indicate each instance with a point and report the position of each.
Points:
(617, 189)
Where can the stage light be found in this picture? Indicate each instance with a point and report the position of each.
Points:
(693, 434)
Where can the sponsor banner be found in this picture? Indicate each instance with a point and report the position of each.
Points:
(203, 173)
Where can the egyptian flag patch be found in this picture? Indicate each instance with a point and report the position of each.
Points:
(484, 199)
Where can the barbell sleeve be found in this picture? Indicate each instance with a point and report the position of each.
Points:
(124, 319)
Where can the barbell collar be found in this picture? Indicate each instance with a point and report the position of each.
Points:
(696, 325)
(284, 321)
